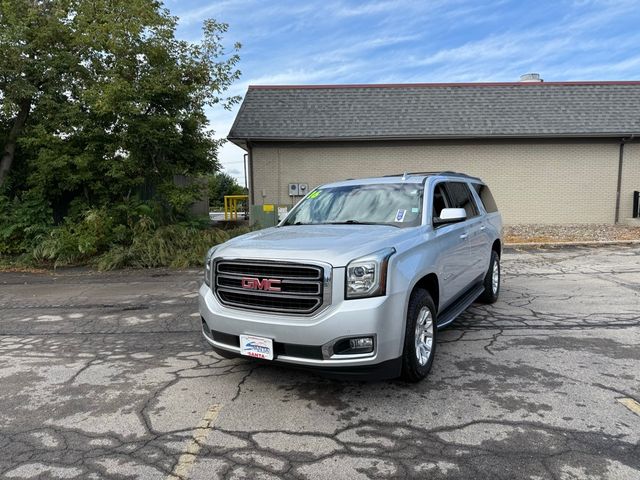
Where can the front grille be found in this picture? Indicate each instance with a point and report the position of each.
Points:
(302, 289)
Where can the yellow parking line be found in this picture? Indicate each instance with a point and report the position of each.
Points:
(631, 404)
(188, 458)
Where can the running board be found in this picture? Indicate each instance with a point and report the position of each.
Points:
(450, 313)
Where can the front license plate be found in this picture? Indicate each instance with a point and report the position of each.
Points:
(257, 347)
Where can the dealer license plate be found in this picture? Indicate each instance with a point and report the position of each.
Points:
(257, 347)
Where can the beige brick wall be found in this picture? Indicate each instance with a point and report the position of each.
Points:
(630, 178)
(532, 183)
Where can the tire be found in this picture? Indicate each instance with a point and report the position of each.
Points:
(421, 309)
(224, 353)
(491, 289)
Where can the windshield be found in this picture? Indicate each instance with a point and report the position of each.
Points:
(397, 204)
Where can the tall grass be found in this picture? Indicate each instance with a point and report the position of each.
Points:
(145, 245)
(172, 246)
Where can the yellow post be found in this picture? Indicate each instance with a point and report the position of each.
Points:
(231, 206)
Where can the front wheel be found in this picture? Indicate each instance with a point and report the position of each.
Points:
(492, 280)
(420, 337)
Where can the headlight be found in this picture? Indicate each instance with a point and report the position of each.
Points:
(367, 276)
(207, 266)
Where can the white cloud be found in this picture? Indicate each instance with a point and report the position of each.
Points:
(368, 8)
(312, 74)
(198, 14)
(621, 69)
(231, 159)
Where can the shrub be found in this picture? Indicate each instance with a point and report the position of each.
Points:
(175, 246)
(76, 241)
(22, 221)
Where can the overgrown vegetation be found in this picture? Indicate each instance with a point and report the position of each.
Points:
(175, 246)
(101, 107)
(126, 235)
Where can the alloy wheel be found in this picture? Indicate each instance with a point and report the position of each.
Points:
(424, 335)
(495, 277)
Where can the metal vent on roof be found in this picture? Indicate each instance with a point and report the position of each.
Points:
(531, 77)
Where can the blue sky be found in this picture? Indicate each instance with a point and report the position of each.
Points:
(399, 41)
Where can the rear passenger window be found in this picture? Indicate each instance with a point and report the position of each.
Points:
(487, 198)
(461, 197)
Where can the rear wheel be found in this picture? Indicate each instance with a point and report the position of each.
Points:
(492, 280)
(420, 337)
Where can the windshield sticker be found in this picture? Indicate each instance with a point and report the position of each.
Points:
(415, 210)
(314, 194)
(400, 215)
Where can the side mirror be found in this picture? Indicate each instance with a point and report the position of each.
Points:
(450, 215)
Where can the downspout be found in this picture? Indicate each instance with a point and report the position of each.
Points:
(250, 163)
(620, 165)
(244, 170)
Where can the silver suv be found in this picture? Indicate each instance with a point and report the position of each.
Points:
(359, 277)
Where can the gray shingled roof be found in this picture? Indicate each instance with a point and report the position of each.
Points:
(438, 111)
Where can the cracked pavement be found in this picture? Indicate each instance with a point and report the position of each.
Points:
(104, 375)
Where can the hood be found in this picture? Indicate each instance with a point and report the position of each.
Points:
(334, 244)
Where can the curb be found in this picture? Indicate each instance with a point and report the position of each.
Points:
(586, 243)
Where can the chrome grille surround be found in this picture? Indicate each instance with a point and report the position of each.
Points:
(305, 286)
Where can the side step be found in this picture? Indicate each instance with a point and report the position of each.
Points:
(450, 313)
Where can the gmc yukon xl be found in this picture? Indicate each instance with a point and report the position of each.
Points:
(358, 278)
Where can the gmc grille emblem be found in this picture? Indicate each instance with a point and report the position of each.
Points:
(267, 284)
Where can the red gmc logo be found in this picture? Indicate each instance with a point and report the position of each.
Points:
(268, 284)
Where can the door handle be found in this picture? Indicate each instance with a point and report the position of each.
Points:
(464, 235)
(482, 228)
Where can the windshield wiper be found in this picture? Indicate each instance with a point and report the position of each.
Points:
(333, 223)
(357, 222)
(346, 222)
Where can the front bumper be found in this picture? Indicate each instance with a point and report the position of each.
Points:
(379, 317)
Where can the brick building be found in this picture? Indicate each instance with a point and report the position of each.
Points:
(552, 152)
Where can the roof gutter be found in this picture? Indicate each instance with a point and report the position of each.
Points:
(243, 140)
(623, 141)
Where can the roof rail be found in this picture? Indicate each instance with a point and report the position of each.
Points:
(442, 172)
(448, 173)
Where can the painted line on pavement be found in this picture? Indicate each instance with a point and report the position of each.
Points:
(188, 458)
(631, 404)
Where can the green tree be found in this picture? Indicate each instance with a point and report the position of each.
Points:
(36, 64)
(99, 98)
(222, 184)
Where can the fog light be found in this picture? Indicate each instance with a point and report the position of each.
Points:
(364, 343)
(352, 346)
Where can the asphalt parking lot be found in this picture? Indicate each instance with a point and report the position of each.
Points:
(105, 376)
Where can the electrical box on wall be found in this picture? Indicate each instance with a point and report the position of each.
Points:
(298, 189)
